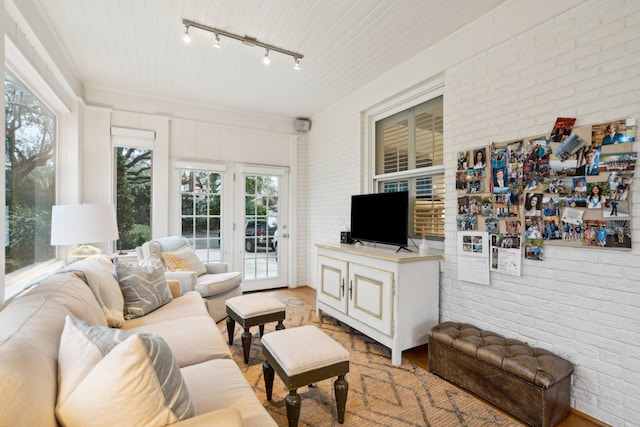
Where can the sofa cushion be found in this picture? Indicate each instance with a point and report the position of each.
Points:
(183, 259)
(218, 384)
(214, 284)
(100, 276)
(101, 369)
(144, 287)
(193, 339)
(188, 305)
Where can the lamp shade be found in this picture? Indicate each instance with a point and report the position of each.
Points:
(80, 224)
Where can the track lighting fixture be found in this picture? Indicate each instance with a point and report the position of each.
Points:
(249, 41)
(186, 37)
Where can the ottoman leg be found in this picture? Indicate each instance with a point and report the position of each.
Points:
(246, 344)
(231, 328)
(261, 327)
(341, 388)
(280, 325)
(267, 373)
(293, 407)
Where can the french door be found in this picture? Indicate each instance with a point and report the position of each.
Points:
(261, 233)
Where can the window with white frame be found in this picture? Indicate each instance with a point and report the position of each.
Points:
(30, 170)
(133, 196)
(409, 157)
(201, 212)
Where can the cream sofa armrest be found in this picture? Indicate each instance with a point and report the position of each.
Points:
(217, 267)
(227, 417)
(187, 279)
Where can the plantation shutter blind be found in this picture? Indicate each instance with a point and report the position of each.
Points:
(407, 142)
(394, 145)
(429, 206)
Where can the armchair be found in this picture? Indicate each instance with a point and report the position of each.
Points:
(214, 282)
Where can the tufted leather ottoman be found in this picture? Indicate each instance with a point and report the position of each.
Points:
(532, 384)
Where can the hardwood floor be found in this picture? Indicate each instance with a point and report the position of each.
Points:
(418, 355)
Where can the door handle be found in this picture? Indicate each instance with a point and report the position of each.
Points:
(285, 235)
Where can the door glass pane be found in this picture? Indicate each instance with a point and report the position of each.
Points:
(133, 196)
(261, 227)
(201, 213)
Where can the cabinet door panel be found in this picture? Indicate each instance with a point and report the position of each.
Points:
(332, 278)
(371, 296)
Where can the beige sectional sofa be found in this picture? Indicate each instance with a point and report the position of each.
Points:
(31, 327)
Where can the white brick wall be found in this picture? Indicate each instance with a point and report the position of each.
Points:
(581, 303)
(333, 176)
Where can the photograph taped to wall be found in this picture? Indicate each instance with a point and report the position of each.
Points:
(572, 216)
(562, 129)
(466, 222)
(533, 227)
(614, 132)
(618, 234)
(620, 185)
(595, 233)
(568, 148)
(463, 160)
(534, 249)
(597, 193)
(506, 253)
(618, 162)
(616, 209)
(480, 158)
(492, 224)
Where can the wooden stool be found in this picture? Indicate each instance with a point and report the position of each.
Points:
(250, 310)
(302, 356)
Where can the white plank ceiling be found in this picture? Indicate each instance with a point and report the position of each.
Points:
(136, 46)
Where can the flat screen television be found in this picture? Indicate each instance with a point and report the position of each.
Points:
(380, 217)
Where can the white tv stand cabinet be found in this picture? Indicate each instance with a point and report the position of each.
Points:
(388, 296)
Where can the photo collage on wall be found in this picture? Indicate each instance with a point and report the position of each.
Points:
(570, 188)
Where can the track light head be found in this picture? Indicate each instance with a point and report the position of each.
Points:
(266, 59)
(296, 66)
(216, 41)
(186, 37)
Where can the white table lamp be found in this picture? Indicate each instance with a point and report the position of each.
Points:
(81, 225)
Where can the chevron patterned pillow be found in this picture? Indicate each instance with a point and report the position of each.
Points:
(143, 287)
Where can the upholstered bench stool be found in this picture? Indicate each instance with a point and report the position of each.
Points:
(302, 356)
(530, 383)
(251, 310)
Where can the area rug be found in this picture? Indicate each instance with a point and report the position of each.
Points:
(379, 394)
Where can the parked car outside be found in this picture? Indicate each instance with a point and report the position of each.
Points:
(258, 234)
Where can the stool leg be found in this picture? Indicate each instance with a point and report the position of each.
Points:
(261, 327)
(246, 344)
(293, 407)
(267, 373)
(280, 325)
(231, 328)
(341, 388)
